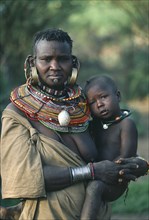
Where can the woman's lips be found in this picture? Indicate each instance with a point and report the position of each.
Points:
(56, 77)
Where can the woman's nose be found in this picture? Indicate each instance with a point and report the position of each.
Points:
(54, 65)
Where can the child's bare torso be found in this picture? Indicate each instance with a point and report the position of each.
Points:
(108, 142)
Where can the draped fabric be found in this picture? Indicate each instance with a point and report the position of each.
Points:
(23, 153)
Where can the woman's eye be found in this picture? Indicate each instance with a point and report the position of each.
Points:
(64, 58)
(45, 59)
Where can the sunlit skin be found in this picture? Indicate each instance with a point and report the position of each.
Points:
(53, 60)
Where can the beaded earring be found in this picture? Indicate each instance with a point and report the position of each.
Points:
(30, 70)
(75, 70)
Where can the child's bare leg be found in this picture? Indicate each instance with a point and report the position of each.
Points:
(98, 192)
(93, 200)
(113, 192)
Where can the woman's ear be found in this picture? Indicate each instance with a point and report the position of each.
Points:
(32, 61)
(75, 62)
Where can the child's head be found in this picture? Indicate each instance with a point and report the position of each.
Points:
(103, 97)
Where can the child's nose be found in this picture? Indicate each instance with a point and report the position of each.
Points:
(99, 102)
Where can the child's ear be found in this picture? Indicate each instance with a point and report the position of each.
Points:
(119, 95)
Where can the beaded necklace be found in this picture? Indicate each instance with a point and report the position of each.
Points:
(72, 93)
(52, 92)
(68, 113)
(124, 113)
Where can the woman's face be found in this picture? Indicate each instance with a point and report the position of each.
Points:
(53, 61)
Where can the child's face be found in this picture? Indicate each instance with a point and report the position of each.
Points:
(103, 101)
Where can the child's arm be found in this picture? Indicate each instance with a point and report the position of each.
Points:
(129, 139)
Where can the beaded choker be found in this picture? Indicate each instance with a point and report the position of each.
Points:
(52, 92)
(70, 94)
(66, 113)
(124, 113)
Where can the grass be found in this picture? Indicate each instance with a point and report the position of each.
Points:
(137, 200)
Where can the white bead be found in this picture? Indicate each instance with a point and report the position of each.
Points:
(125, 112)
(64, 118)
(105, 126)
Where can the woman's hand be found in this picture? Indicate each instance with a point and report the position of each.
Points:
(112, 173)
(142, 165)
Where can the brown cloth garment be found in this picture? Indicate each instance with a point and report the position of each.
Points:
(23, 153)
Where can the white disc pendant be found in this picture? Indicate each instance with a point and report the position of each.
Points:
(105, 126)
(64, 118)
(126, 112)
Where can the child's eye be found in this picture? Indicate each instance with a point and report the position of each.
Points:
(103, 97)
(47, 59)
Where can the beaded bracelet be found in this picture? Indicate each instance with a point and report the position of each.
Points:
(92, 170)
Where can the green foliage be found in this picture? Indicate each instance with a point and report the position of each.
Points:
(137, 200)
(141, 123)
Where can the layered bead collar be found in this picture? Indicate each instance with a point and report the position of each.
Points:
(64, 111)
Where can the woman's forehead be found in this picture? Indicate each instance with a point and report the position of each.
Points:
(50, 47)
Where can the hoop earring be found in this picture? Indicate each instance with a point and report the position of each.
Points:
(34, 76)
(73, 77)
(75, 70)
(27, 67)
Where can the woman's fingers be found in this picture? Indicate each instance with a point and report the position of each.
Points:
(126, 174)
(130, 177)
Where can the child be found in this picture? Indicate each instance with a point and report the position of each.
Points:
(115, 136)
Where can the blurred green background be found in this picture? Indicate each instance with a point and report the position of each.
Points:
(109, 37)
